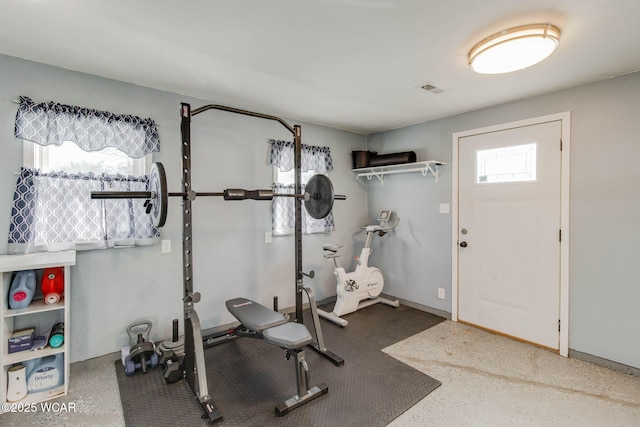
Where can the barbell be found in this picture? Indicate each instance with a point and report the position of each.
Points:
(318, 196)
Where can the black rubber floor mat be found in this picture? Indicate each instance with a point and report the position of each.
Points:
(248, 377)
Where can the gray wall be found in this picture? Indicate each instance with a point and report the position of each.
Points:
(604, 213)
(112, 288)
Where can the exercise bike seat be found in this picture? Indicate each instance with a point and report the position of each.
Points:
(254, 316)
(331, 247)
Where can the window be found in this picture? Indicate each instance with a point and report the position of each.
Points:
(289, 177)
(314, 160)
(70, 158)
(69, 152)
(506, 164)
(53, 197)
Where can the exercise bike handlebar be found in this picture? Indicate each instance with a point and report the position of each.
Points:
(331, 250)
(382, 228)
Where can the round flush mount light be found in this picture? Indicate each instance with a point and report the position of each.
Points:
(514, 49)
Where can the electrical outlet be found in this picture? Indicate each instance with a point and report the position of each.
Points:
(267, 237)
(441, 293)
(444, 208)
(166, 246)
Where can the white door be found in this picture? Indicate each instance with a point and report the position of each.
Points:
(509, 231)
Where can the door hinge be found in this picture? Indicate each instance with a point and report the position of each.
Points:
(560, 144)
(558, 325)
(559, 235)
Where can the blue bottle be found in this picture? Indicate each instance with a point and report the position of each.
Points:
(45, 373)
(22, 289)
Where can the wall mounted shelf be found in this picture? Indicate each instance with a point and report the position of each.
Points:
(430, 166)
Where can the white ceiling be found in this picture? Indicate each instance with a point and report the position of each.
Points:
(350, 64)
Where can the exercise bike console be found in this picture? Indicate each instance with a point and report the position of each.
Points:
(362, 287)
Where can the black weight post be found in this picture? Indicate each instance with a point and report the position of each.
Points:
(195, 372)
(297, 156)
(318, 346)
(187, 262)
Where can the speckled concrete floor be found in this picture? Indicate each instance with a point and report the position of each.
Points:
(93, 400)
(490, 380)
(487, 380)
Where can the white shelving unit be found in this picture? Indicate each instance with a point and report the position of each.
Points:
(429, 166)
(38, 314)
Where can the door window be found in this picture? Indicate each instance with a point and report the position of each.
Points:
(516, 163)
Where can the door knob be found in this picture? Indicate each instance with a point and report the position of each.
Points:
(463, 244)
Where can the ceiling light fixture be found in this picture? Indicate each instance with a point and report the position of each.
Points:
(514, 49)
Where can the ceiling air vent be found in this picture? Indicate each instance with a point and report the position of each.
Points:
(431, 88)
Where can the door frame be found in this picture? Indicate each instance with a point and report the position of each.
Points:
(565, 119)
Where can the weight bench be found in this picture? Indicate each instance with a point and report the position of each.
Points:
(258, 321)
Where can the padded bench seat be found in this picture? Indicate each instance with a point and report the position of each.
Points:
(254, 316)
(258, 321)
(288, 336)
(274, 326)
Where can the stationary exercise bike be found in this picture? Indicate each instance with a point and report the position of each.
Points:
(360, 288)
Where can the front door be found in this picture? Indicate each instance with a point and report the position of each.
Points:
(509, 204)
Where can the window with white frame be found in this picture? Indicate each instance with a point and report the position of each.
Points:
(289, 177)
(68, 157)
(515, 163)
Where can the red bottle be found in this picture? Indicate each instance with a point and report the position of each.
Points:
(53, 284)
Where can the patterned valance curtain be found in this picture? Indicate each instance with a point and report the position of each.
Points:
(92, 130)
(313, 158)
(54, 211)
(317, 159)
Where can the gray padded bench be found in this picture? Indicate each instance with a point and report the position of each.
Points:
(258, 321)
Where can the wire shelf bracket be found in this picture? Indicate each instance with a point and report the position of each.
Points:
(429, 166)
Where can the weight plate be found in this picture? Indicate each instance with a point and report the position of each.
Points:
(319, 201)
(158, 189)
